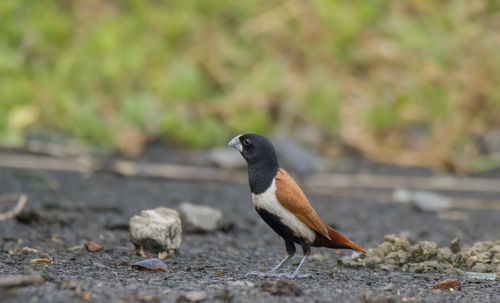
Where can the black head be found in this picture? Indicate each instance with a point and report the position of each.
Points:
(261, 157)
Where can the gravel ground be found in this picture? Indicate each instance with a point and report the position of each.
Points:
(67, 209)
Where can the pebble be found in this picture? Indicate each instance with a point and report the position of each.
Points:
(156, 231)
(480, 275)
(448, 284)
(92, 246)
(192, 296)
(423, 200)
(295, 157)
(199, 218)
(226, 158)
(282, 287)
(242, 283)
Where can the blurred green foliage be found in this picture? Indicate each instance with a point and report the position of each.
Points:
(196, 72)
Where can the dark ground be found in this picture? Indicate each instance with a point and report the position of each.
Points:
(98, 208)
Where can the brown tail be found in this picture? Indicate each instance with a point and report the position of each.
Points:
(337, 241)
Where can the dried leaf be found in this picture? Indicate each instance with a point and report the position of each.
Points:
(42, 260)
(153, 264)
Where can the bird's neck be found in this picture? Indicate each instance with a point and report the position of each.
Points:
(261, 174)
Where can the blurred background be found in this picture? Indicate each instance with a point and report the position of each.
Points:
(410, 82)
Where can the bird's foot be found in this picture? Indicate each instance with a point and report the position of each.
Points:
(277, 275)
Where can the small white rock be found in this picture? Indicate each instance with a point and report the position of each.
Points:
(196, 296)
(423, 200)
(199, 218)
(242, 283)
(156, 230)
(226, 157)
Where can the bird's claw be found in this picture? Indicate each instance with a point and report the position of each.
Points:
(277, 275)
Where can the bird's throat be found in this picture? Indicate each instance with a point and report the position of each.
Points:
(261, 175)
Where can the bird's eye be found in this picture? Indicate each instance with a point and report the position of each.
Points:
(247, 142)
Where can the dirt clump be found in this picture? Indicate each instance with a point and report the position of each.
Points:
(397, 253)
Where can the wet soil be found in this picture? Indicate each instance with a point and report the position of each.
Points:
(66, 209)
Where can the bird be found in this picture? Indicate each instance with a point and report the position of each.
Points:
(282, 204)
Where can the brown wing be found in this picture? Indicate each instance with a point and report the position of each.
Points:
(293, 198)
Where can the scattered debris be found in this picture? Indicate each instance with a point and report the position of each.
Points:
(16, 210)
(423, 200)
(92, 246)
(21, 280)
(226, 158)
(199, 218)
(153, 264)
(480, 275)
(369, 297)
(396, 253)
(156, 231)
(282, 287)
(448, 284)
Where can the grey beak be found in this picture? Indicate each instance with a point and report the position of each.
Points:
(235, 142)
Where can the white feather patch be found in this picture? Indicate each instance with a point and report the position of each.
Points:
(268, 201)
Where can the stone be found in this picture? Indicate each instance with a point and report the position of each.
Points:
(429, 201)
(423, 200)
(199, 218)
(196, 296)
(480, 276)
(156, 231)
(282, 287)
(241, 283)
(295, 157)
(448, 284)
(92, 246)
(226, 158)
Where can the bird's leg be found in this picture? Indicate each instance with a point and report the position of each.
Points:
(295, 274)
(290, 249)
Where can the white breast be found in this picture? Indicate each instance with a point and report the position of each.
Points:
(268, 201)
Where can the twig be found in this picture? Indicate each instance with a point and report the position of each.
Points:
(46, 163)
(16, 210)
(20, 280)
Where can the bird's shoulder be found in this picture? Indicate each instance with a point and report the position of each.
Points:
(291, 197)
